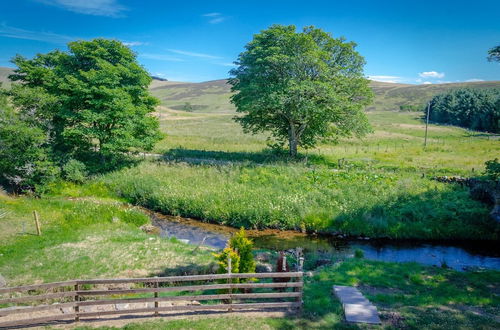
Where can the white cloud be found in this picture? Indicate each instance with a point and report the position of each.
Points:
(160, 57)
(431, 74)
(227, 64)
(474, 80)
(211, 14)
(388, 79)
(215, 18)
(18, 33)
(193, 54)
(109, 8)
(134, 43)
(427, 83)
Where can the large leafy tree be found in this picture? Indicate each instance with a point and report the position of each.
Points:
(92, 100)
(301, 87)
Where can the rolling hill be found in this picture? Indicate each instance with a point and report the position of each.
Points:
(213, 96)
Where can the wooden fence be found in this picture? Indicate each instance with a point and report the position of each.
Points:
(72, 300)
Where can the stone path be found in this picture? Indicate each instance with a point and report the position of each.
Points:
(357, 308)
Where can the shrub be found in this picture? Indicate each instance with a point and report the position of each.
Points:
(243, 247)
(75, 171)
(359, 254)
(223, 257)
(493, 169)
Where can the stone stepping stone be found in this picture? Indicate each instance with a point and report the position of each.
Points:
(357, 308)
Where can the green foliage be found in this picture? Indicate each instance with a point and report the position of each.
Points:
(187, 107)
(75, 171)
(24, 157)
(301, 87)
(475, 109)
(222, 260)
(243, 247)
(91, 101)
(493, 169)
(410, 107)
(359, 254)
(355, 201)
(494, 54)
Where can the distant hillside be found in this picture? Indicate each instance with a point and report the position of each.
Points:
(213, 96)
(5, 72)
(390, 96)
(4, 76)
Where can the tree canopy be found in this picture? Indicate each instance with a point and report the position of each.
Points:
(302, 87)
(92, 101)
(471, 108)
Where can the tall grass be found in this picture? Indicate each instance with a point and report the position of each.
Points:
(370, 202)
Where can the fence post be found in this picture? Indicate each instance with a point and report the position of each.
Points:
(77, 299)
(229, 281)
(156, 298)
(37, 223)
(300, 266)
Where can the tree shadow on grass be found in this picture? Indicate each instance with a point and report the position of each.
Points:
(210, 157)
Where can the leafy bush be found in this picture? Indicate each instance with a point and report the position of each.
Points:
(75, 171)
(24, 157)
(222, 259)
(243, 247)
(493, 169)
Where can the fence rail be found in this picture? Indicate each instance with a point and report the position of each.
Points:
(72, 300)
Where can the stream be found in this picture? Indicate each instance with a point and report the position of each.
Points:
(458, 256)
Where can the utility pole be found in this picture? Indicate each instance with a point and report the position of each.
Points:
(427, 123)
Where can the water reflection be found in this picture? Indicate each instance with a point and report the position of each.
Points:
(459, 257)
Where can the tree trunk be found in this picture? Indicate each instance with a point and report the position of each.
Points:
(292, 141)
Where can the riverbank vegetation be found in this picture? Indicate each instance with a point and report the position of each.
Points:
(356, 201)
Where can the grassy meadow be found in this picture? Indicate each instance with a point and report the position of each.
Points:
(378, 186)
(84, 239)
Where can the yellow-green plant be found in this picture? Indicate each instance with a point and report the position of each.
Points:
(223, 257)
(243, 247)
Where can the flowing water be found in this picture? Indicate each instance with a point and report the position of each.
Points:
(461, 256)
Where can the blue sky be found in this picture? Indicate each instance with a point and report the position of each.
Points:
(402, 41)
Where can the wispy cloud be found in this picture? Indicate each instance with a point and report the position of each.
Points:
(110, 8)
(427, 83)
(193, 54)
(134, 43)
(431, 74)
(160, 57)
(211, 15)
(226, 64)
(474, 80)
(18, 33)
(215, 18)
(388, 79)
